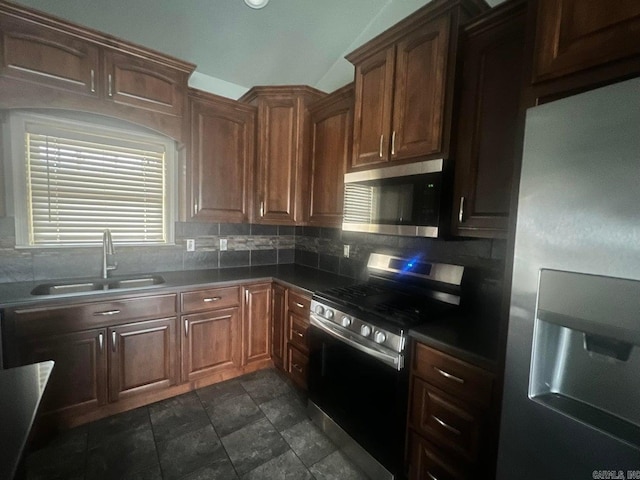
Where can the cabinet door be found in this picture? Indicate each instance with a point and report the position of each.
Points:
(574, 35)
(372, 115)
(221, 163)
(79, 378)
(488, 125)
(144, 84)
(277, 163)
(427, 462)
(420, 88)
(210, 343)
(256, 343)
(49, 57)
(331, 139)
(142, 357)
(278, 326)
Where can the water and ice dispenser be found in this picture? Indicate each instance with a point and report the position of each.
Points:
(586, 351)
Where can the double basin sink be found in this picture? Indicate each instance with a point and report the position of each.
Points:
(90, 285)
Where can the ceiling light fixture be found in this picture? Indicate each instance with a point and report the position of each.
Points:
(256, 3)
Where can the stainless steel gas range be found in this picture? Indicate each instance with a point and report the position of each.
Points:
(358, 372)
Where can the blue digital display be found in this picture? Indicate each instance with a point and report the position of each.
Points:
(414, 265)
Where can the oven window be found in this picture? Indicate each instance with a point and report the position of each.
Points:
(364, 396)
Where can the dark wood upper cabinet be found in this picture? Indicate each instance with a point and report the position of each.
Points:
(487, 125)
(331, 141)
(46, 62)
(282, 177)
(575, 35)
(404, 86)
(221, 158)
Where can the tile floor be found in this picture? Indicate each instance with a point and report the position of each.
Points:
(251, 427)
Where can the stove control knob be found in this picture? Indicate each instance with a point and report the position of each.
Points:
(379, 337)
(329, 314)
(345, 321)
(319, 309)
(365, 330)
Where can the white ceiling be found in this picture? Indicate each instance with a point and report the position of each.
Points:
(236, 47)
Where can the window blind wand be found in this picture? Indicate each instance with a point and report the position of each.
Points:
(107, 251)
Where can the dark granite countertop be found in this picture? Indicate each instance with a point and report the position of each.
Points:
(304, 278)
(21, 390)
(471, 337)
(468, 337)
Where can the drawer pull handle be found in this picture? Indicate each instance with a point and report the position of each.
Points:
(448, 375)
(93, 81)
(299, 305)
(298, 333)
(461, 211)
(211, 299)
(380, 148)
(297, 367)
(446, 425)
(106, 313)
(113, 341)
(432, 476)
(186, 328)
(110, 81)
(100, 340)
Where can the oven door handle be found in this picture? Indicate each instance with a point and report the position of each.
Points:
(391, 360)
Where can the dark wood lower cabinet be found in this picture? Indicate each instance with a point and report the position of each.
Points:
(428, 463)
(256, 325)
(78, 381)
(142, 357)
(278, 332)
(210, 342)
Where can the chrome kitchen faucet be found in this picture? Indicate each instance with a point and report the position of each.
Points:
(107, 249)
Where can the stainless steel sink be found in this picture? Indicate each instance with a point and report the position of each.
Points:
(97, 284)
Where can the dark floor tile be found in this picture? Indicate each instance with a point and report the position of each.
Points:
(190, 452)
(125, 454)
(153, 473)
(265, 385)
(336, 467)
(253, 445)
(220, 469)
(220, 392)
(233, 414)
(284, 411)
(103, 430)
(284, 467)
(176, 416)
(309, 443)
(62, 458)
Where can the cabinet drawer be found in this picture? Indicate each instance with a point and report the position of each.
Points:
(298, 332)
(55, 320)
(209, 299)
(428, 463)
(452, 375)
(436, 415)
(299, 304)
(297, 366)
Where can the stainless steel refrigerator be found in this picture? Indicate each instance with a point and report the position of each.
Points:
(571, 405)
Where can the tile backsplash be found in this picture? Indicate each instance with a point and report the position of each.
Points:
(247, 245)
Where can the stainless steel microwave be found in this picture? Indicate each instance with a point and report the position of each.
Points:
(397, 200)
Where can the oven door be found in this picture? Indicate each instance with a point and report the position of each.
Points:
(363, 395)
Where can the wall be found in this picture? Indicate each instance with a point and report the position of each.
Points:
(247, 245)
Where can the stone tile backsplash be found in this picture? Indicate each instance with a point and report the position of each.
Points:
(247, 244)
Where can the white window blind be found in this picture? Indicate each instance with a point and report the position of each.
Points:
(80, 183)
(359, 204)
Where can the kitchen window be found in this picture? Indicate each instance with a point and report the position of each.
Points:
(74, 179)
